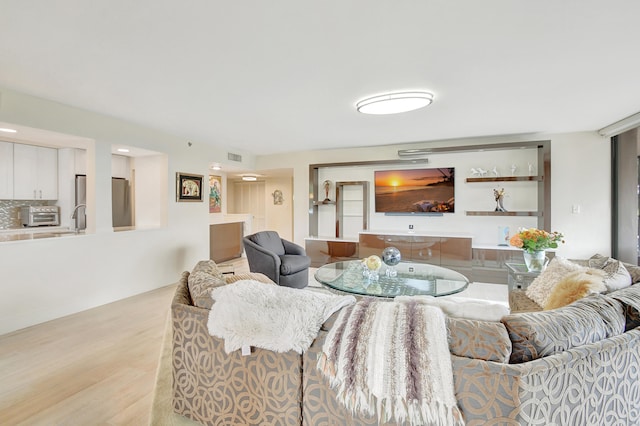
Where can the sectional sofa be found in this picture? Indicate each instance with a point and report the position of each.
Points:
(575, 365)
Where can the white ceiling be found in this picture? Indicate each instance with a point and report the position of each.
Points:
(284, 75)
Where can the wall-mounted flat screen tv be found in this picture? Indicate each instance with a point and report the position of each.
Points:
(415, 190)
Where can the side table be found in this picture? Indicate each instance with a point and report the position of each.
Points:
(519, 277)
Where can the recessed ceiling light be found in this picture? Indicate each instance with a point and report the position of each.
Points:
(394, 103)
(216, 167)
(2, 129)
(122, 150)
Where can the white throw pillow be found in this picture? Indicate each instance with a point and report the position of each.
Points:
(617, 276)
(541, 287)
(464, 307)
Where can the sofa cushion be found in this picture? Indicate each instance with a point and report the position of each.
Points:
(484, 340)
(463, 307)
(204, 277)
(539, 334)
(575, 286)
(268, 240)
(292, 263)
(617, 276)
(634, 270)
(630, 298)
(541, 287)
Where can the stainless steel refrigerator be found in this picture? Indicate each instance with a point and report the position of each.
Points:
(121, 202)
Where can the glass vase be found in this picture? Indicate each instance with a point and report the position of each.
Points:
(535, 261)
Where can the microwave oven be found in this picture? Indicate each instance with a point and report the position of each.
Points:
(40, 215)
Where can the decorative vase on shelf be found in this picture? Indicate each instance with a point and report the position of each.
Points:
(535, 261)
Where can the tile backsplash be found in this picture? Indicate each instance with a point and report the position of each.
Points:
(9, 211)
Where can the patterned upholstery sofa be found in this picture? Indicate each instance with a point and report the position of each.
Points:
(576, 365)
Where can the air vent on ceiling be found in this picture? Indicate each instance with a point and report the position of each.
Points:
(234, 157)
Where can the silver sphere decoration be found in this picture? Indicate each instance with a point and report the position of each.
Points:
(391, 256)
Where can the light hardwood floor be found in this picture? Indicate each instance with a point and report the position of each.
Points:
(96, 367)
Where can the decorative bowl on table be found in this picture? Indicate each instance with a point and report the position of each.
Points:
(391, 257)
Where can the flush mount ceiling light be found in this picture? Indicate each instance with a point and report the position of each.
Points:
(413, 152)
(249, 178)
(394, 103)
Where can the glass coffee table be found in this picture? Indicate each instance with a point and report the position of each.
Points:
(412, 279)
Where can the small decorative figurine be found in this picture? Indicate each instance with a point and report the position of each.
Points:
(513, 169)
(475, 172)
(499, 196)
(495, 171)
(482, 171)
(326, 184)
(531, 172)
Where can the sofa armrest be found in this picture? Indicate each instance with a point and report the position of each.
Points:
(213, 387)
(262, 260)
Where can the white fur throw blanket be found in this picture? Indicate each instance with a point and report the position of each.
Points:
(251, 313)
(391, 359)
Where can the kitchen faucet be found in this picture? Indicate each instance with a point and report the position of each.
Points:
(74, 215)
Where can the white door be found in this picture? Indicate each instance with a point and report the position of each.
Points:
(250, 199)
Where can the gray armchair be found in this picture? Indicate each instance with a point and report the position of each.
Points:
(284, 262)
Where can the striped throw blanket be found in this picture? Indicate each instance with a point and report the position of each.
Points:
(391, 360)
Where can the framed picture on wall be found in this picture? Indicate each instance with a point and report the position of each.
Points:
(188, 187)
(215, 194)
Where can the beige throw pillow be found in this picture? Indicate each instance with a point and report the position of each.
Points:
(204, 277)
(541, 287)
(575, 286)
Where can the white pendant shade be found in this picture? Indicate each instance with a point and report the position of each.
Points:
(394, 103)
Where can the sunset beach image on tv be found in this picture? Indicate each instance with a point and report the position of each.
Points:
(415, 191)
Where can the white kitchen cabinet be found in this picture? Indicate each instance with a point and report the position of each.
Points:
(6, 171)
(35, 173)
(120, 167)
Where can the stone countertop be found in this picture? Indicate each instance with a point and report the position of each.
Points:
(416, 233)
(338, 239)
(22, 234)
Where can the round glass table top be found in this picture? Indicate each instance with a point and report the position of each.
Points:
(404, 279)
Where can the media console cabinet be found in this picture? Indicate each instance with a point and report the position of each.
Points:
(478, 262)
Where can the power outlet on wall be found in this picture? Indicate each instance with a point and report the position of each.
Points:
(410, 227)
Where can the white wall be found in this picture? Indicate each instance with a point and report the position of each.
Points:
(580, 171)
(279, 217)
(48, 278)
